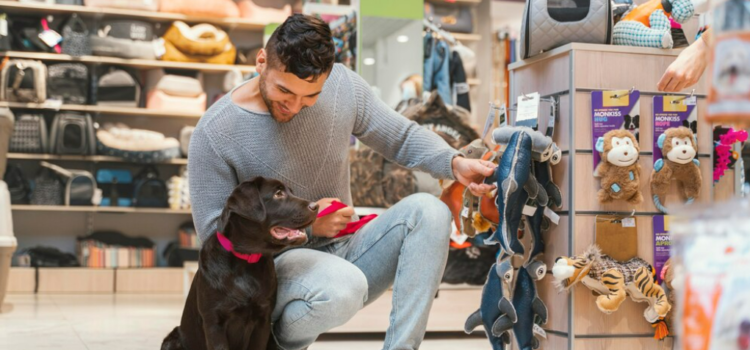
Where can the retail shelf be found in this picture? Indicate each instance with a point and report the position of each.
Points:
(466, 37)
(232, 23)
(105, 110)
(115, 210)
(93, 159)
(137, 63)
(474, 81)
(456, 2)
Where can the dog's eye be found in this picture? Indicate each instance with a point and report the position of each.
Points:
(279, 194)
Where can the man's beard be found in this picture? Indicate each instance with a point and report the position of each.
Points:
(269, 104)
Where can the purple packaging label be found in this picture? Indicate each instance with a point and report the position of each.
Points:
(662, 243)
(613, 110)
(673, 112)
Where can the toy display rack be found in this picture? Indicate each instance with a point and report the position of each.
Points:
(570, 73)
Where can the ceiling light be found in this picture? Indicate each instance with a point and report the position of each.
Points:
(402, 38)
(369, 61)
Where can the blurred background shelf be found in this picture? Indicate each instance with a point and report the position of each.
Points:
(466, 37)
(114, 210)
(137, 63)
(141, 112)
(44, 9)
(93, 159)
(456, 2)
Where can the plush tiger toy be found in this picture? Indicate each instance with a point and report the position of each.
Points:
(614, 281)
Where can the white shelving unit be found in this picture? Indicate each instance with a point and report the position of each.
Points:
(143, 112)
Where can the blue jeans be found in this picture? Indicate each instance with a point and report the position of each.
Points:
(406, 247)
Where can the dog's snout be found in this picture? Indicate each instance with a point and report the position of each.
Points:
(313, 206)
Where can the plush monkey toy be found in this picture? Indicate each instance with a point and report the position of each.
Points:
(679, 148)
(619, 169)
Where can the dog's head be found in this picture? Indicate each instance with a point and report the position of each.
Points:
(263, 216)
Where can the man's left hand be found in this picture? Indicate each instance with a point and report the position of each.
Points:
(472, 172)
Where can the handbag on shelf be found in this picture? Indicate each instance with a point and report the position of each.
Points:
(18, 185)
(7, 120)
(72, 133)
(116, 186)
(68, 82)
(125, 39)
(76, 40)
(23, 81)
(550, 24)
(80, 186)
(49, 188)
(452, 18)
(29, 134)
(150, 190)
(118, 88)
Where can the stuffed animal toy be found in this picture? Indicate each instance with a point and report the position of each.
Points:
(648, 25)
(619, 169)
(614, 281)
(668, 277)
(679, 148)
(529, 308)
(496, 312)
(543, 148)
(512, 174)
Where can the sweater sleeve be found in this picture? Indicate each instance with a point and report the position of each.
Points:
(398, 138)
(212, 180)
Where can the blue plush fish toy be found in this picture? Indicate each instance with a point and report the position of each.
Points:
(496, 312)
(530, 310)
(512, 174)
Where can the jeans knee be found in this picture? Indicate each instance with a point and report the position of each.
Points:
(337, 302)
(430, 207)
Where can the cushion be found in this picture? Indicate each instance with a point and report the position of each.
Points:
(253, 10)
(175, 55)
(142, 146)
(202, 39)
(162, 101)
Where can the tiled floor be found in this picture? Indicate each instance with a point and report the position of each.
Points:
(135, 322)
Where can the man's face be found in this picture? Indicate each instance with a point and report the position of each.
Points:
(284, 93)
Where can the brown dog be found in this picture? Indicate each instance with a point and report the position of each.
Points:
(233, 294)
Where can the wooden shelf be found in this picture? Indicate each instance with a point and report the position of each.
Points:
(466, 37)
(105, 110)
(456, 2)
(93, 159)
(137, 63)
(114, 210)
(231, 23)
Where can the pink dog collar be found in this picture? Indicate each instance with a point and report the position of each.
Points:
(227, 245)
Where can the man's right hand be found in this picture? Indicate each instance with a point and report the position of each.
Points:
(330, 225)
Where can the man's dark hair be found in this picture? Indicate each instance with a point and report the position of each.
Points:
(303, 46)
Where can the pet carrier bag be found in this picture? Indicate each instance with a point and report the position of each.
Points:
(548, 24)
(116, 186)
(150, 190)
(68, 82)
(80, 186)
(29, 134)
(72, 133)
(118, 88)
(24, 81)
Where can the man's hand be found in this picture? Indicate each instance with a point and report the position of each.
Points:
(330, 225)
(687, 69)
(471, 173)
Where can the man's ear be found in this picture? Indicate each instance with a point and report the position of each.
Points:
(600, 145)
(660, 141)
(261, 60)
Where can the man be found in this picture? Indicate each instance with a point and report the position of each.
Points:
(293, 123)
(689, 65)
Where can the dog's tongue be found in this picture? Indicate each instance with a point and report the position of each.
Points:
(283, 232)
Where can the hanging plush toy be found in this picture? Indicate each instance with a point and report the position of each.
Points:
(679, 148)
(614, 281)
(648, 25)
(619, 169)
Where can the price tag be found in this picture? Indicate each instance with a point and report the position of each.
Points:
(159, 48)
(628, 222)
(528, 110)
(3, 27)
(691, 101)
(50, 37)
(529, 210)
(458, 237)
(465, 212)
(53, 104)
(540, 331)
(488, 123)
(552, 215)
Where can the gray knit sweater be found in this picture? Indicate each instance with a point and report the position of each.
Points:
(309, 154)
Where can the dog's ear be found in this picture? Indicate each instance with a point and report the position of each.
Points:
(246, 202)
